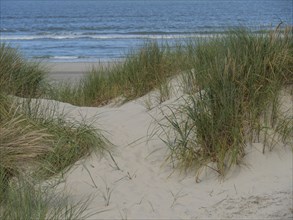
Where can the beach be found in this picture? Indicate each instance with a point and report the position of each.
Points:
(135, 182)
(72, 71)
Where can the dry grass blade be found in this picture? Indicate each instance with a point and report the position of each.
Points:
(20, 143)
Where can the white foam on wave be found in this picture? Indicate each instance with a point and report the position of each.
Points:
(104, 37)
(65, 57)
(61, 57)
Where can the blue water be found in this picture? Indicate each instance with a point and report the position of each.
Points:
(88, 30)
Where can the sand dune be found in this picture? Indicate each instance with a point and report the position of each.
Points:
(137, 184)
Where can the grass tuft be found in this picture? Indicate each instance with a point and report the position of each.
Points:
(18, 76)
(36, 143)
(143, 70)
(238, 80)
(26, 199)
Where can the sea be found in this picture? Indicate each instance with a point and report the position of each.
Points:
(103, 30)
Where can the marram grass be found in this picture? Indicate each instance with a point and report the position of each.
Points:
(27, 199)
(36, 145)
(18, 76)
(237, 81)
(142, 71)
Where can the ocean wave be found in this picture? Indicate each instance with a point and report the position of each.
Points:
(64, 58)
(50, 58)
(61, 57)
(104, 37)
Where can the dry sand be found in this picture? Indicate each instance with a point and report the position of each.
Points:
(139, 185)
(61, 71)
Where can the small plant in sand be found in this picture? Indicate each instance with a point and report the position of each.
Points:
(106, 193)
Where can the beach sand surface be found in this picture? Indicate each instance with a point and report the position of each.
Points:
(72, 72)
(136, 182)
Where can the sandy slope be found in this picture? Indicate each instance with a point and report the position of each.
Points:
(143, 187)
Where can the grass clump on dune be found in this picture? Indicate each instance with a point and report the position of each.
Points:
(18, 76)
(20, 144)
(71, 142)
(26, 123)
(36, 143)
(143, 70)
(238, 79)
(35, 146)
(27, 199)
